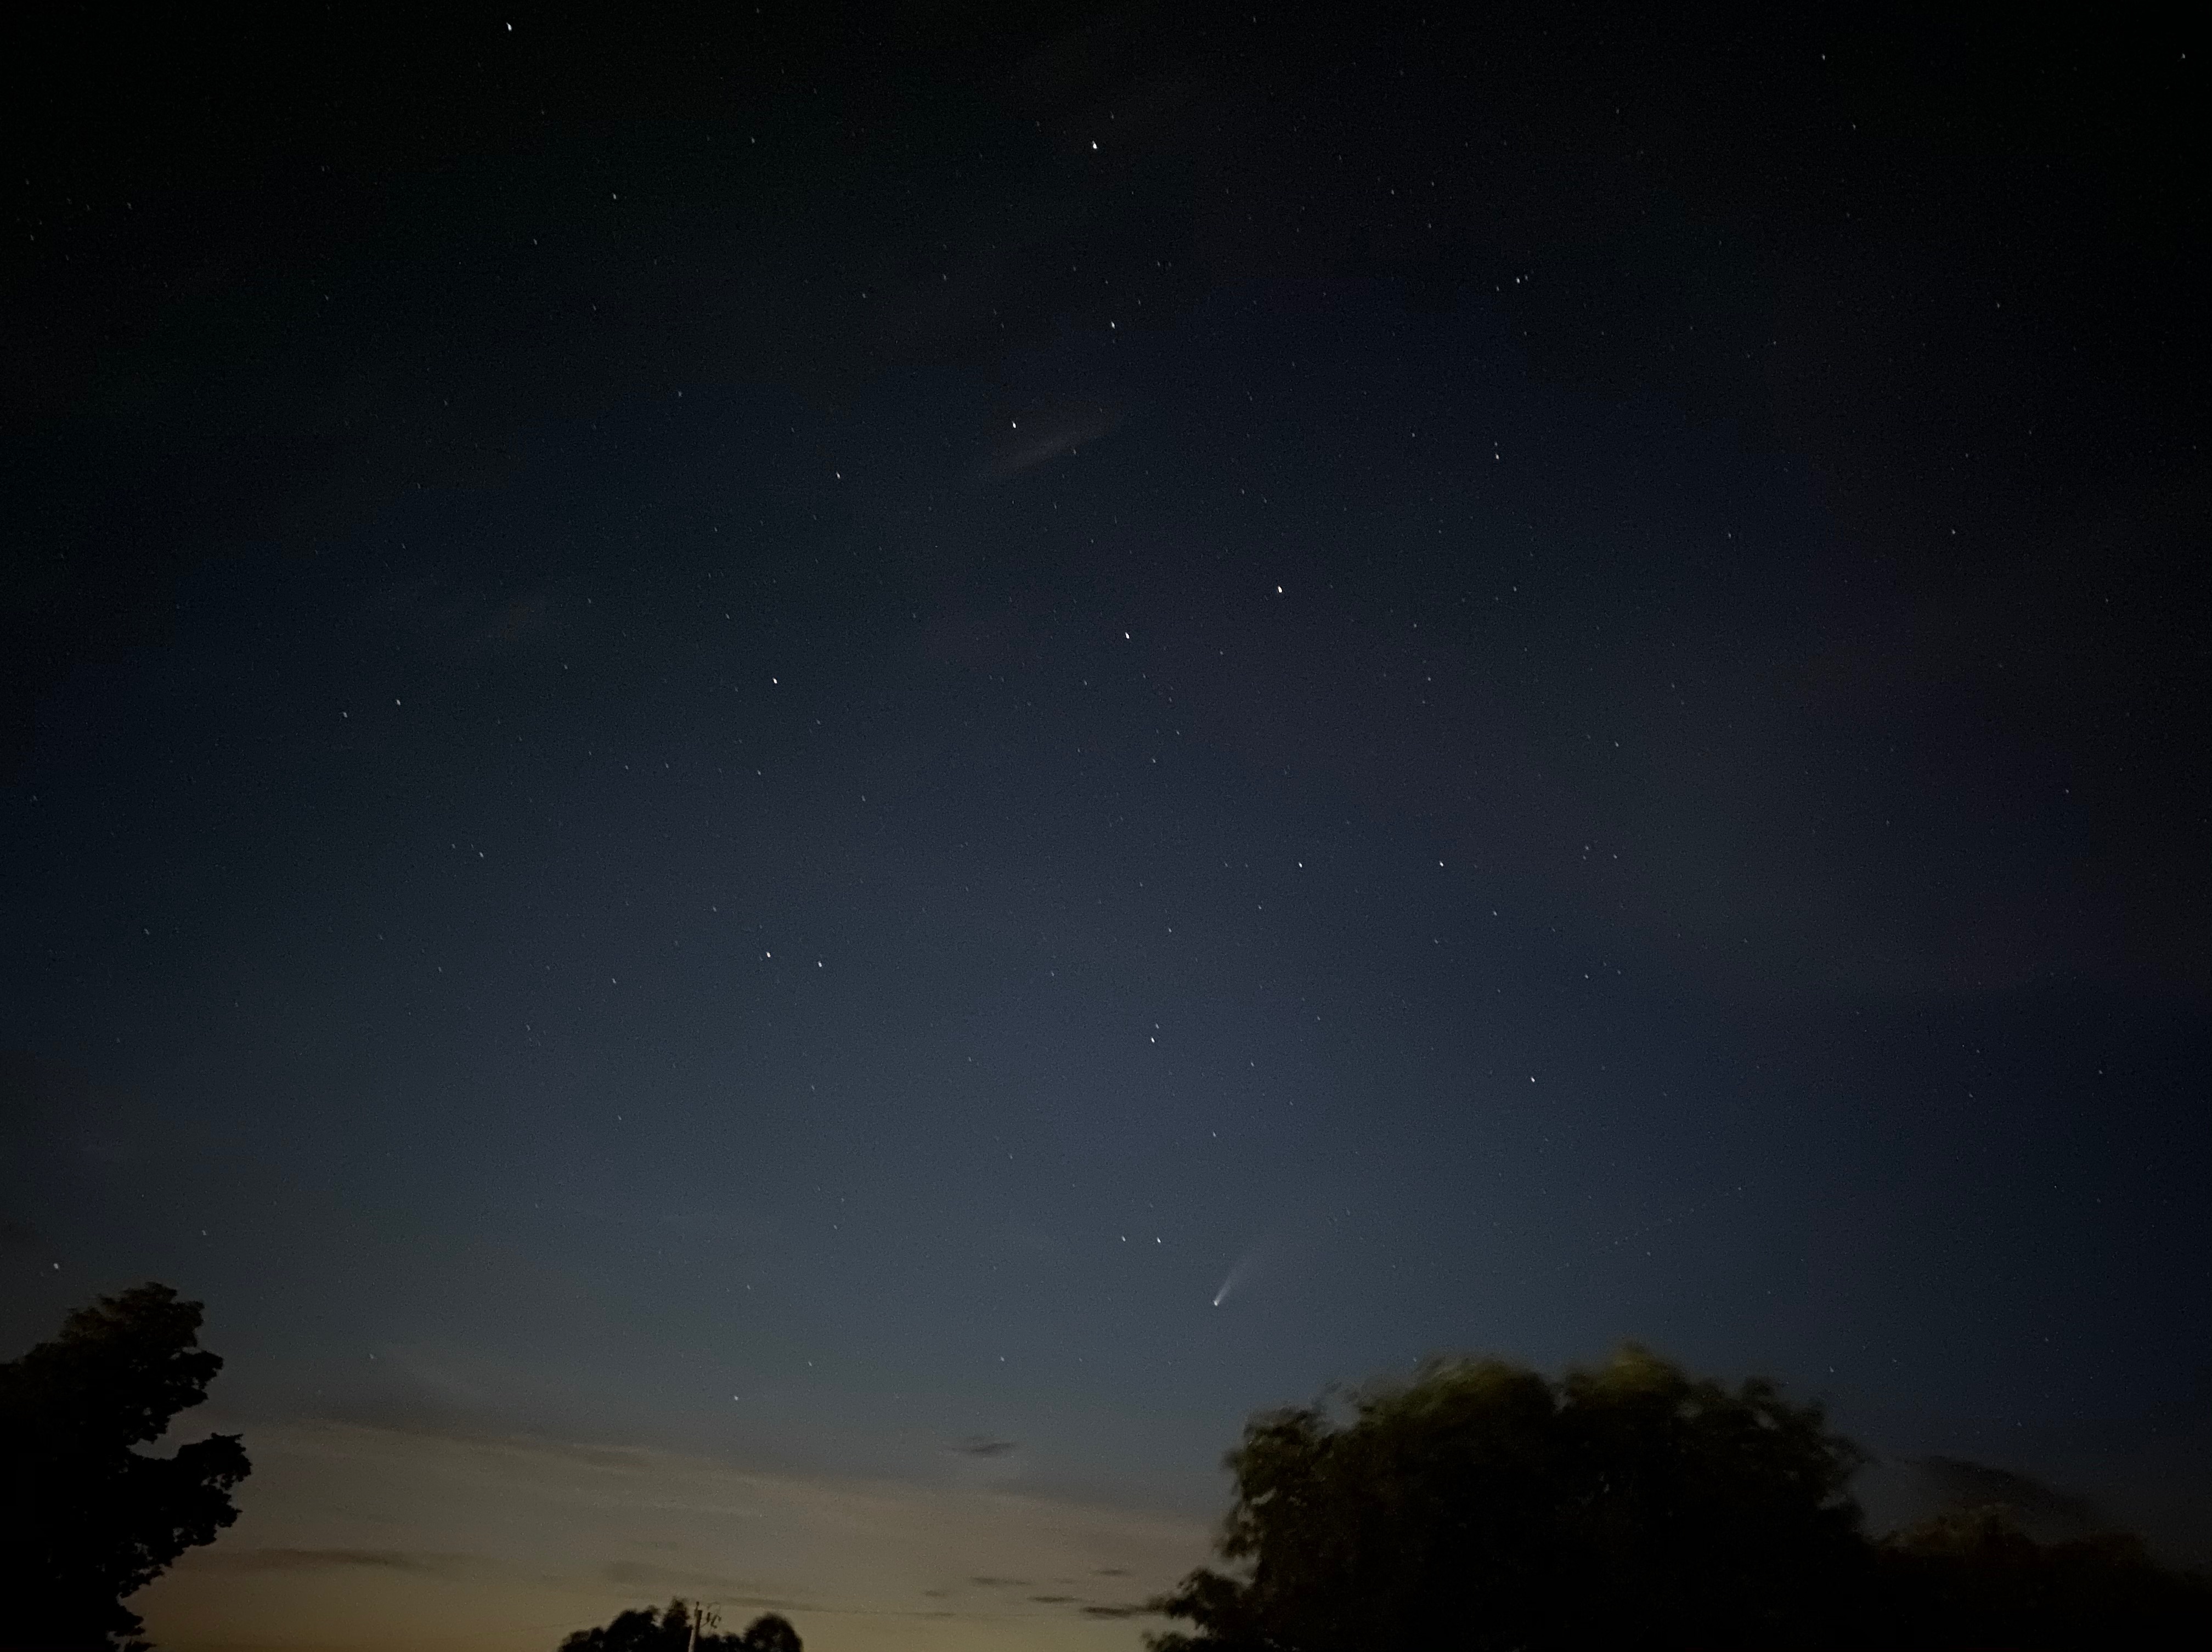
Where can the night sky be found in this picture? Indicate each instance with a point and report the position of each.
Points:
(861, 767)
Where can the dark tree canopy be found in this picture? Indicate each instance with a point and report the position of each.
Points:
(85, 1518)
(771, 1633)
(1632, 1507)
(1483, 1506)
(1974, 1579)
(672, 1629)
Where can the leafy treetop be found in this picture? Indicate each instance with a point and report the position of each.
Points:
(1484, 1506)
(85, 1518)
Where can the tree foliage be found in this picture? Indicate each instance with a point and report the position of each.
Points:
(86, 1518)
(1972, 1578)
(1483, 1506)
(672, 1629)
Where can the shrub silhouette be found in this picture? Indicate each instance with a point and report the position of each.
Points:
(85, 1518)
(673, 1628)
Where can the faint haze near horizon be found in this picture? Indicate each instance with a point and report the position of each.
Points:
(356, 1538)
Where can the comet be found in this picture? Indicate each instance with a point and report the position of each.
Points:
(1246, 1266)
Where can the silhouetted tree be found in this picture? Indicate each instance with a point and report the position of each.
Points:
(85, 1519)
(1482, 1506)
(671, 1628)
(771, 1633)
(1973, 1578)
